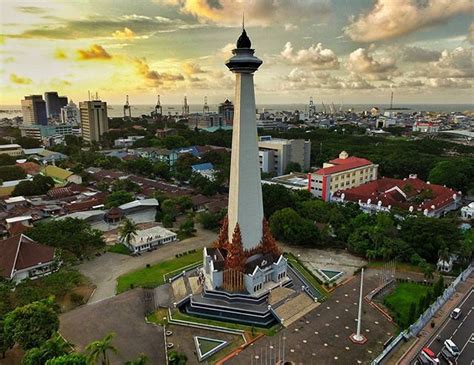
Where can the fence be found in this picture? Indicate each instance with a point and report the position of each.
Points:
(416, 327)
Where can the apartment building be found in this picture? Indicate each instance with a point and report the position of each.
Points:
(275, 154)
(341, 173)
(94, 120)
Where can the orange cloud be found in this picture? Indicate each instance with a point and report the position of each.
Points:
(126, 33)
(14, 78)
(153, 77)
(95, 52)
(59, 54)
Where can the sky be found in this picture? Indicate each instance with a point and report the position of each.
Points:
(341, 51)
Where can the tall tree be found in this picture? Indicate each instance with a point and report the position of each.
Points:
(56, 346)
(141, 360)
(127, 230)
(99, 350)
(71, 359)
(33, 324)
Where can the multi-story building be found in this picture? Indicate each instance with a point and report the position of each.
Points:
(426, 127)
(46, 131)
(33, 109)
(11, 149)
(70, 114)
(411, 194)
(54, 103)
(94, 121)
(226, 111)
(275, 154)
(341, 173)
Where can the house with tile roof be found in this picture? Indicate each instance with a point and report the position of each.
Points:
(411, 194)
(341, 173)
(24, 258)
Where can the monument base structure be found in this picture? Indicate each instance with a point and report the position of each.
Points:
(228, 267)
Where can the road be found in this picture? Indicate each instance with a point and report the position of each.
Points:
(460, 331)
(104, 270)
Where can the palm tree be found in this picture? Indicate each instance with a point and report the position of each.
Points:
(177, 358)
(100, 349)
(128, 229)
(141, 360)
(57, 346)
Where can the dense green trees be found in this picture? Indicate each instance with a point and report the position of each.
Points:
(117, 198)
(70, 234)
(415, 239)
(33, 324)
(70, 359)
(54, 347)
(38, 186)
(14, 172)
(457, 174)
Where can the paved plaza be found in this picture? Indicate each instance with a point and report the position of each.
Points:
(322, 335)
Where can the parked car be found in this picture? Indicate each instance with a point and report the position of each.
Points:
(451, 347)
(456, 313)
(429, 355)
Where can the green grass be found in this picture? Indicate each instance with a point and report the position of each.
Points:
(308, 275)
(151, 277)
(160, 316)
(235, 326)
(119, 248)
(399, 301)
(225, 351)
(207, 345)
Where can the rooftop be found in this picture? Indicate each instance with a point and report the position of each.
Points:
(150, 233)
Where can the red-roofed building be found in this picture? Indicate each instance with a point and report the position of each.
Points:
(23, 258)
(341, 173)
(410, 194)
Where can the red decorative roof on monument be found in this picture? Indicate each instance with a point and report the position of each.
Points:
(401, 193)
(343, 164)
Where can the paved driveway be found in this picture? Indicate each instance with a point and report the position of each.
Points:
(104, 270)
(123, 315)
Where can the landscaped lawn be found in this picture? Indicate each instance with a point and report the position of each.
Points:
(207, 345)
(119, 248)
(236, 326)
(399, 301)
(159, 316)
(151, 277)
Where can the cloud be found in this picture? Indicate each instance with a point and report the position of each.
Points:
(190, 68)
(257, 13)
(31, 9)
(315, 56)
(126, 33)
(470, 34)
(99, 27)
(457, 63)
(298, 79)
(15, 79)
(59, 54)
(95, 52)
(449, 83)
(410, 83)
(361, 61)
(418, 54)
(290, 27)
(394, 18)
(154, 78)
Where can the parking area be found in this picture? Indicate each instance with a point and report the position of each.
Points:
(322, 335)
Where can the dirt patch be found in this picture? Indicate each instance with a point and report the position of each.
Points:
(71, 300)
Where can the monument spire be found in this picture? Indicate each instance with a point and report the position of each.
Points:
(245, 190)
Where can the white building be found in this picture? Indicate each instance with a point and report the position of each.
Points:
(23, 258)
(276, 153)
(94, 120)
(70, 114)
(147, 239)
(467, 212)
(11, 149)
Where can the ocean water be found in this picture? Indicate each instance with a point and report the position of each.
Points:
(10, 111)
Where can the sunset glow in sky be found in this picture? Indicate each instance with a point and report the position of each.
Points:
(352, 51)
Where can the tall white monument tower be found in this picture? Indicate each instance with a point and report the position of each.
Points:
(245, 191)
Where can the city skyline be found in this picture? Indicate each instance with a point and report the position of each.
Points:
(341, 51)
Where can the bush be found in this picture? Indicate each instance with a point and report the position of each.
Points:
(77, 299)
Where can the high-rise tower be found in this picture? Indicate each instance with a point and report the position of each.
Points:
(245, 190)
